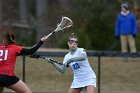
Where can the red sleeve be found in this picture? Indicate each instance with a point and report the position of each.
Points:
(18, 49)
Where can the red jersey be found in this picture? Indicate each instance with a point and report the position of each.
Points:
(8, 55)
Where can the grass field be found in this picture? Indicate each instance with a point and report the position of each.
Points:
(118, 75)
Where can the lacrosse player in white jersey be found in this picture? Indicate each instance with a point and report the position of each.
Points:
(84, 76)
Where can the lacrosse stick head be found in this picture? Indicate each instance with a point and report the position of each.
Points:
(65, 23)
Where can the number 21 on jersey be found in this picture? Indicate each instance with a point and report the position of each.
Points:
(3, 53)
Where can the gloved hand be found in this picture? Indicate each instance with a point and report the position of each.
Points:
(50, 60)
(34, 56)
(134, 35)
(66, 64)
(117, 37)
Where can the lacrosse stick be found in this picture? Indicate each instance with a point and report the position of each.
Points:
(44, 57)
(65, 23)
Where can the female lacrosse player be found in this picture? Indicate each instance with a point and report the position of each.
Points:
(8, 54)
(84, 77)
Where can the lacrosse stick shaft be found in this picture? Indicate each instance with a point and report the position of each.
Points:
(42, 57)
(48, 60)
(50, 34)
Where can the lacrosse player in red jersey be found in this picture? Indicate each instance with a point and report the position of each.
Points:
(8, 54)
(84, 76)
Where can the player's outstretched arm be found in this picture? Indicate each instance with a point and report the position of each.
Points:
(60, 67)
(33, 49)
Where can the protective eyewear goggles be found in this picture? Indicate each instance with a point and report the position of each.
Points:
(73, 41)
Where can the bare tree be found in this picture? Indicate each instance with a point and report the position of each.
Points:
(0, 17)
(64, 3)
(23, 11)
(0, 11)
(41, 12)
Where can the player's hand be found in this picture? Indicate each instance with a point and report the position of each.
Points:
(134, 35)
(34, 56)
(66, 64)
(45, 38)
(50, 60)
(117, 37)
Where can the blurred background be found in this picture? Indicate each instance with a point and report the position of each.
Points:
(94, 23)
(93, 19)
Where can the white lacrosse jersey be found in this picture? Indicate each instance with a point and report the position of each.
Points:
(83, 73)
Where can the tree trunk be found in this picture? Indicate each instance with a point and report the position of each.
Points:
(64, 3)
(23, 11)
(41, 10)
(0, 11)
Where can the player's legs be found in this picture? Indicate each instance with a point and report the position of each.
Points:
(20, 87)
(123, 43)
(1, 89)
(90, 89)
(74, 90)
(131, 42)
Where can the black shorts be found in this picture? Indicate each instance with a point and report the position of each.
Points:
(6, 80)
